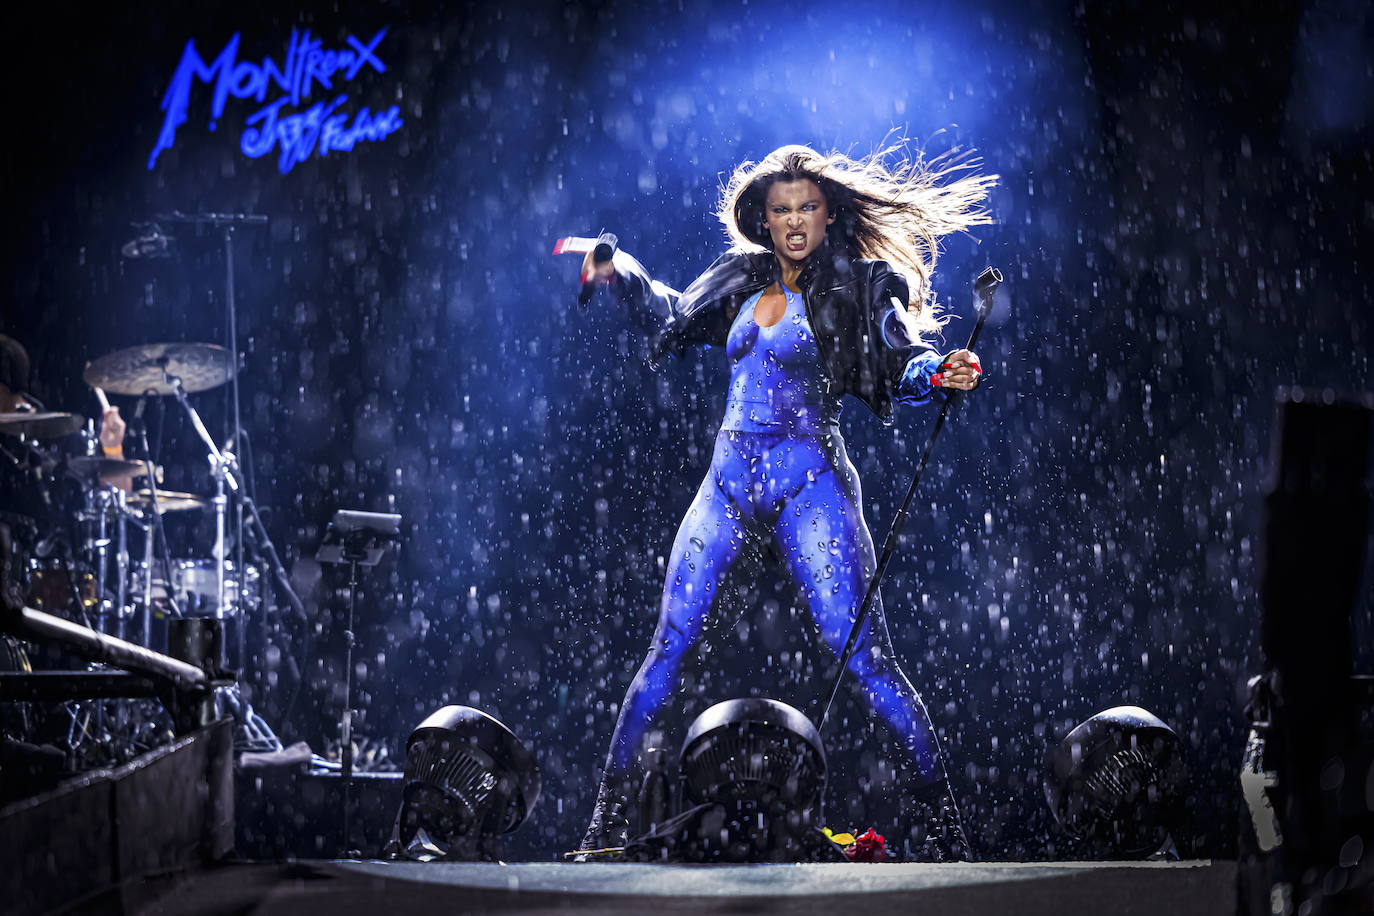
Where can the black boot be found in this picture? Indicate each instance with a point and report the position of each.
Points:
(610, 826)
(937, 828)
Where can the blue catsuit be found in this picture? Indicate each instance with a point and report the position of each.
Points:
(780, 472)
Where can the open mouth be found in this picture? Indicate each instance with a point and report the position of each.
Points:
(796, 241)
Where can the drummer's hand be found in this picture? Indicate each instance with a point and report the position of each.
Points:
(13, 401)
(600, 274)
(112, 431)
(959, 370)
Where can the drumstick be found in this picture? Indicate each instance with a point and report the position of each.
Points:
(104, 409)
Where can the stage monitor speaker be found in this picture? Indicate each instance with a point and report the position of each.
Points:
(468, 780)
(1115, 783)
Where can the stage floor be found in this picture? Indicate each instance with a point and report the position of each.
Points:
(344, 888)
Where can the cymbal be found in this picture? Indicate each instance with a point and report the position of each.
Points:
(169, 501)
(93, 466)
(40, 425)
(139, 370)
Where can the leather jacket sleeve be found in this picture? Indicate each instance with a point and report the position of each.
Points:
(908, 361)
(675, 320)
(651, 303)
(914, 386)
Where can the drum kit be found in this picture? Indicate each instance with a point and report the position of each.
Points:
(117, 571)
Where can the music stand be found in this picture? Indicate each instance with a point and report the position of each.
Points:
(358, 539)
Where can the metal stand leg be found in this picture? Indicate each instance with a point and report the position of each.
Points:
(121, 565)
(358, 539)
(157, 534)
(147, 622)
(102, 601)
(346, 731)
(235, 439)
(221, 503)
(101, 513)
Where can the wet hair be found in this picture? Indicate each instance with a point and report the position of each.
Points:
(895, 213)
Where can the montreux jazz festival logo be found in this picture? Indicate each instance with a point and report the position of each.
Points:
(283, 124)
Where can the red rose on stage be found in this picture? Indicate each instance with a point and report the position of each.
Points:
(869, 847)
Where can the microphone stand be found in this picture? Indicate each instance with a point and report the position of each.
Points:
(227, 223)
(985, 286)
(224, 464)
(235, 440)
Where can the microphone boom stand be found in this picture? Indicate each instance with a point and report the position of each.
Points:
(985, 287)
(227, 223)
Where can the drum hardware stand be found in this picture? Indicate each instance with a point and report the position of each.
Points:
(102, 500)
(358, 539)
(154, 530)
(253, 733)
(97, 514)
(266, 549)
(224, 469)
(145, 587)
(256, 734)
(74, 585)
(105, 505)
(269, 550)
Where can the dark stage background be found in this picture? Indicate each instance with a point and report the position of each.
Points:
(1183, 206)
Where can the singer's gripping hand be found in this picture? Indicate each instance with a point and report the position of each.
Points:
(959, 370)
(600, 274)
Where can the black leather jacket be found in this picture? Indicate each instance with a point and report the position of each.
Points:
(864, 343)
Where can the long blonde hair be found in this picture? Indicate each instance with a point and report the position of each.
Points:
(897, 214)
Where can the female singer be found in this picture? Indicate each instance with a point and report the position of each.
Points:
(825, 292)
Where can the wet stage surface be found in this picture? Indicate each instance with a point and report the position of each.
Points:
(341, 888)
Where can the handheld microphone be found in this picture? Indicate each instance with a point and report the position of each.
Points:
(603, 249)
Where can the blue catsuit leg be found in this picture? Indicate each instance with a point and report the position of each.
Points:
(829, 553)
(804, 493)
(708, 542)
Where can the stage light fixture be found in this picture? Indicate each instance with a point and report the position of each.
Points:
(762, 762)
(1115, 784)
(468, 780)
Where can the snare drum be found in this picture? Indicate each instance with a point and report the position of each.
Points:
(195, 584)
(55, 586)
